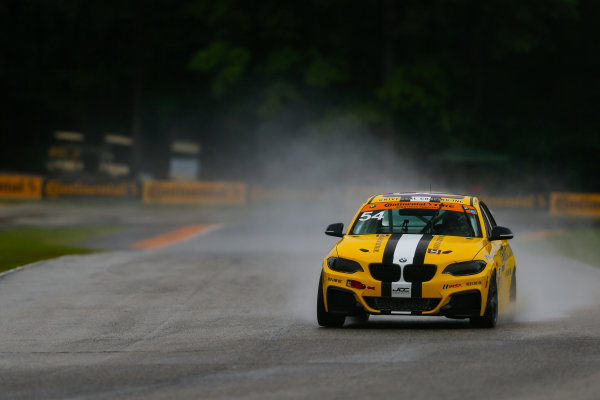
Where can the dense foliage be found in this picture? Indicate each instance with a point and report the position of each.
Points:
(517, 78)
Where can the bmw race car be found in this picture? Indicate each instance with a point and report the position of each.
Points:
(418, 254)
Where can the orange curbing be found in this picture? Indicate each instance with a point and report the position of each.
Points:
(179, 235)
(541, 234)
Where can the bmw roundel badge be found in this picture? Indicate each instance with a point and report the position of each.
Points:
(403, 260)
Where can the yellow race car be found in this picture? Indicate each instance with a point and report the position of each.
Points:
(418, 254)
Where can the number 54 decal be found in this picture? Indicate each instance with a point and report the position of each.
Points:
(367, 215)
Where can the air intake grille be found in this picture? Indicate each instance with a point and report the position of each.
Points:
(401, 304)
(419, 273)
(385, 272)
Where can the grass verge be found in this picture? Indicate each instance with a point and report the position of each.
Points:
(20, 246)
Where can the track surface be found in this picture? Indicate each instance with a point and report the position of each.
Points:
(230, 314)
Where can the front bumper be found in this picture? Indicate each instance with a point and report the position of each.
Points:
(445, 295)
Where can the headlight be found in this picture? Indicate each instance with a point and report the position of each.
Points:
(465, 268)
(343, 265)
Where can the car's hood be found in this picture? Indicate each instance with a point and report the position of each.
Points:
(438, 249)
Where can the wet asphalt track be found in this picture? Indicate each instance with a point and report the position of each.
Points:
(231, 315)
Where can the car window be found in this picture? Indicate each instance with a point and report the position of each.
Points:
(488, 213)
(486, 220)
(474, 221)
(417, 221)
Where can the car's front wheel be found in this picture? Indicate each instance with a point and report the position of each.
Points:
(324, 318)
(490, 317)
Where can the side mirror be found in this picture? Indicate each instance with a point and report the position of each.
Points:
(500, 233)
(335, 230)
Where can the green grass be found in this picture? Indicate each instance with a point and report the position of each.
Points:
(580, 244)
(20, 246)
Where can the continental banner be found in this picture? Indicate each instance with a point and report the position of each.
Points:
(194, 192)
(20, 186)
(260, 194)
(529, 201)
(56, 188)
(584, 204)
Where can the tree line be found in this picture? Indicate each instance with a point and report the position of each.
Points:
(513, 77)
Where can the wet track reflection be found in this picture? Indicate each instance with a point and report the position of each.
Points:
(231, 314)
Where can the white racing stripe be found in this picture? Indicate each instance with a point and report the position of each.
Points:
(405, 249)
(404, 254)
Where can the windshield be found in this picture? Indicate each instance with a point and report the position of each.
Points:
(436, 221)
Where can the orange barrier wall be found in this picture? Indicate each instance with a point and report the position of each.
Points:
(539, 201)
(194, 192)
(584, 204)
(21, 186)
(55, 188)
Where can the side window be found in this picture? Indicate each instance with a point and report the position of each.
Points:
(488, 213)
(486, 218)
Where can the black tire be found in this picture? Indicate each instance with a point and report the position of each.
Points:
(324, 318)
(361, 318)
(513, 286)
(490, 316)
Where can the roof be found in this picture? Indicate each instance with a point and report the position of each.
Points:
(424, 197)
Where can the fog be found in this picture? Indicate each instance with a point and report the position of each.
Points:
(551, 286)
(345, 169)
(305, 182)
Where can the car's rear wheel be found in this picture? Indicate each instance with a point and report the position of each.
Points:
(324, 318)
(490, 316)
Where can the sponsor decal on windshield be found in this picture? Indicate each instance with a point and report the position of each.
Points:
(420, 198)
(412, 205)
